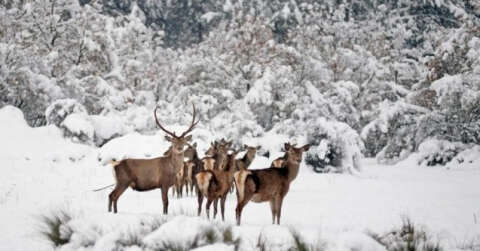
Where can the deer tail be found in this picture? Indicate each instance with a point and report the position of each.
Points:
(240, 178)
(114, 164)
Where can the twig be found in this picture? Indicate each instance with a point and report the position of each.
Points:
(105, 187)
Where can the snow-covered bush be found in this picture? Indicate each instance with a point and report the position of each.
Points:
(408, 236)
(397, 123)
(79, 127)
(434, 152)
(336, 147)
(325, 157)
(60, 109)
(55, 229)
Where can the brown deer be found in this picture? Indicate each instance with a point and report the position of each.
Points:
(244, 163)
(270, 184)
(179, 182)
(215, 184)
(149, 174)
(184, 175)
(281, 161)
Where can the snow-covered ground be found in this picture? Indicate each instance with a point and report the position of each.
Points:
(43, 172)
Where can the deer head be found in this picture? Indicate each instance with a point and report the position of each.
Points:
(211, 149)
(251, 150)
(178, 142)
(190, 152)
(295, 154)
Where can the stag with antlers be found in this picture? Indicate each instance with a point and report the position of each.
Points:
(149, 174)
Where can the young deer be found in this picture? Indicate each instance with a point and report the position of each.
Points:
(244, 163)
(270, 184)
(184, 175)
(148, 174)
(280, 162)
(179, 181)
(214, 184)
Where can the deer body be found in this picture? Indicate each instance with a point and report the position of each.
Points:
(147, 174)
(270, 184)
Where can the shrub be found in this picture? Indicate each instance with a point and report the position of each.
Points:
(55, 229)
(438, 152)
(324, 158)
(407, 237)
(60, 109)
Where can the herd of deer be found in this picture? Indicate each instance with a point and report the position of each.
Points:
(212, 177)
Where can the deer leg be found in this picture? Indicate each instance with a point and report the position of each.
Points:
(186, 188)
(248, 192)
(274, 211)
(180, 190)
(200, 201)
(242, 204)
(165, 199)
(115, 194)
(110, 201)
(207, 207)
(222, 206)
(278, 203)
(215, 204)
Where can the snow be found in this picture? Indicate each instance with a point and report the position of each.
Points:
(209, 16)
(78, 124)
(330, 209)
(447, 84)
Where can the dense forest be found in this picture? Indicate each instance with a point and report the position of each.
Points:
(374, 78)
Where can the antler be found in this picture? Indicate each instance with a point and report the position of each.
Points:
(192, 125)
(161, 127)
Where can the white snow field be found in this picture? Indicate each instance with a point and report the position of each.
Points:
(43, 172)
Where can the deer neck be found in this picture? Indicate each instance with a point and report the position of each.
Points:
(293, 168)
(247, 159)
(195, 156)
(176, 158)
(220, 159)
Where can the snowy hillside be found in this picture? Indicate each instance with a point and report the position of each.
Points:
(387, 93)
(46, 173)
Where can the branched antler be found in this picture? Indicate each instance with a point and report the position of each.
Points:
(192, 124)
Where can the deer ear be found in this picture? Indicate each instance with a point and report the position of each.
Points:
(287, 147)
(306, 147)
(194, 145)
(188, 138)
(245, 146)
(168, 138)
(258, 147)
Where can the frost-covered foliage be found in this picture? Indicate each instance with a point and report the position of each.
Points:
(433, 152)
(408, 236)
(60, 109)
(394, 72)
(336, 147)
(438, 152)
